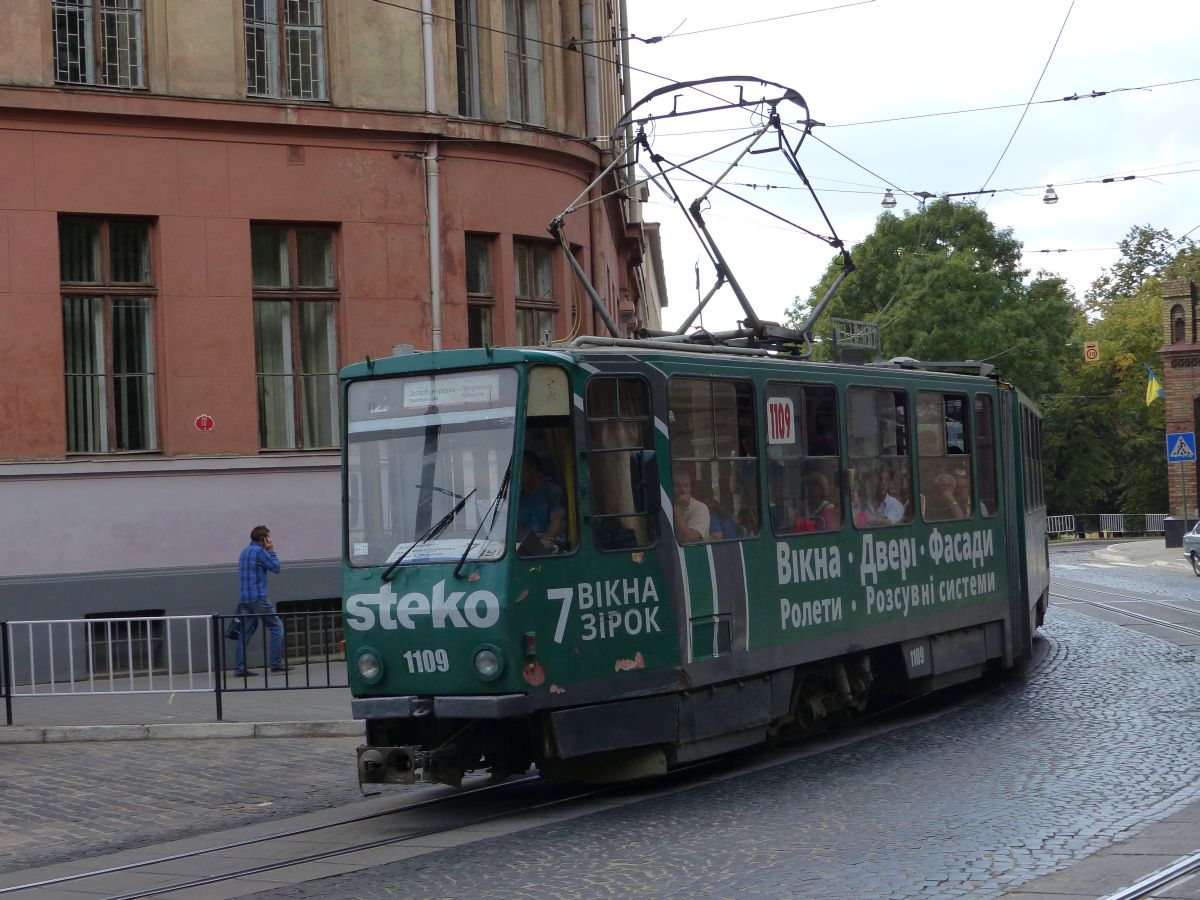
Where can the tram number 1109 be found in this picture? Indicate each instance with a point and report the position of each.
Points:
(422, 661)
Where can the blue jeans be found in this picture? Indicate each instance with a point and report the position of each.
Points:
(252, 612)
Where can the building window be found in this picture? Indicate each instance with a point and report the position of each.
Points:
(108, 342)
(1177, 325)
(466, 47)
(98, 42)
(534, 291)
(523, 61)
(480, 299)
(300, 57)
(295, 336)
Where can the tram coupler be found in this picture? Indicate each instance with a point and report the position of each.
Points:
(389, 765)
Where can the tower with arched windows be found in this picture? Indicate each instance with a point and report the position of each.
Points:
(1181, 383)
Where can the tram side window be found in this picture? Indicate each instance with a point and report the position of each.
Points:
(985, 454)
(546, 514)
(880, 476)
(804, 464)
(943, 441)
(1031, 458)
(714, 460)
(619, 429)
(1031, 447)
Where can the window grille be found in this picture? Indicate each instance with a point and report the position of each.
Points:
(295, 336)
(126, 642)
(98, 42)
(317, 633)
(108, 335)
(299, 57)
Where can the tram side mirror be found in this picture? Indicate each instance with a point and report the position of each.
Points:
(643, 476)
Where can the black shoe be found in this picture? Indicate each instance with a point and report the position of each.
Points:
(245, 674)
(281, 668)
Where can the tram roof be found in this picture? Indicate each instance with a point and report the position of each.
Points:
(683, 357)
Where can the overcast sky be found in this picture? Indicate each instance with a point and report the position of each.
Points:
(884, 59)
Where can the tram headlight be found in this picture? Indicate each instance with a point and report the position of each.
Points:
(370, 665)
(488, 663)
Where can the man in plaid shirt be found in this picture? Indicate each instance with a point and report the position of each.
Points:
(257, 559)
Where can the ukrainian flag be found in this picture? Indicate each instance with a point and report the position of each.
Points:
(1154, 388)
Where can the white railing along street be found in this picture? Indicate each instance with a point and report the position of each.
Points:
(152, 654)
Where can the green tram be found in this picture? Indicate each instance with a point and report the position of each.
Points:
(609, 560)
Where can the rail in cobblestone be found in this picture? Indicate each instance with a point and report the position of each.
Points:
(48, 658)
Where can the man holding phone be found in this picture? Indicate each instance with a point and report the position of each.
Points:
(257, 559)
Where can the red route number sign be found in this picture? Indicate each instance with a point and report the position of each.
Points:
(204, 422)
(781, 421)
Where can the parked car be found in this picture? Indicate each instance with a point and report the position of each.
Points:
(1191, 547)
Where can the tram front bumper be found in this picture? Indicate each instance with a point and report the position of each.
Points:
(493, 706)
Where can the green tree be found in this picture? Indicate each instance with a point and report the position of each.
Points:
(945, 284)
(1104, 443)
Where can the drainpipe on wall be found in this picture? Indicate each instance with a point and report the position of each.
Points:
(432, 198)
(591, 117)
(627, 96)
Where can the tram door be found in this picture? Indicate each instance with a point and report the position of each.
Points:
(714, 507)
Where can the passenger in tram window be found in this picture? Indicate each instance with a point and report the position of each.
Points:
(941, 505)
(721, 526)
(883, 508)
(541, 512)
(903, 493)
(817, 510)
(858, 509)
(692, 519)
(962, 492)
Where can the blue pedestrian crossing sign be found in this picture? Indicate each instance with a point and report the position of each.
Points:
(1181, 446)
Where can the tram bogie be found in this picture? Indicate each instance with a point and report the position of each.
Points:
(609, 562)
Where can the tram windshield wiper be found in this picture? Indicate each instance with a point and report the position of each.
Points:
(434, 530)
(493, 510)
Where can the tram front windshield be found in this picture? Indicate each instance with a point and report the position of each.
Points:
(429, 467)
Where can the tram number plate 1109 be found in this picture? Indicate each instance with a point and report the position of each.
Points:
(917, 657)
(781, 421)
(422, 661)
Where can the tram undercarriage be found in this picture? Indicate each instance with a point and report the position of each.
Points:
(637, 737)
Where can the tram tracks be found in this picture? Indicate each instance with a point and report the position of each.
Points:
(1182, 870)
(224, 855)
(1192, 630)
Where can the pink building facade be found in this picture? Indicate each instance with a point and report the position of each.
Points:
(207, 209)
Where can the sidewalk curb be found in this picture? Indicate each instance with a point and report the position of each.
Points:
(61, 734)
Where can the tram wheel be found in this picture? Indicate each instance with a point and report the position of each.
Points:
(1195, 563)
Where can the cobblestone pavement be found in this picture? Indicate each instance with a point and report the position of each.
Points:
(1023, 782)
(64, 801)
